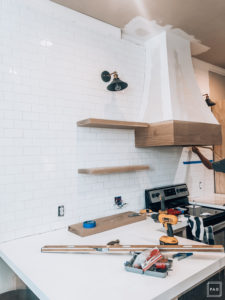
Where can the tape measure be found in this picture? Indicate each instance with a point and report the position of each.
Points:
(89, 224)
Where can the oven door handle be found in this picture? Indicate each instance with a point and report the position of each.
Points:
(218, 227)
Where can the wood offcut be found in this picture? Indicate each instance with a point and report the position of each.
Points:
(107, 223)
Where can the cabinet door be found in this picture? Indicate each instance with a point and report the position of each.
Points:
(219, 237)
(217, 94)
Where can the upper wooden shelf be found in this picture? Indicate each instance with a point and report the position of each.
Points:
(110, 170)
(101, 123)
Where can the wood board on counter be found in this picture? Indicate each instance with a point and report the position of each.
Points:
(106, 223)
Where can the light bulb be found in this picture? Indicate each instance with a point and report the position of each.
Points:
(117, 87)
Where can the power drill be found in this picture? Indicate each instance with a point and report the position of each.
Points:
(167, 221)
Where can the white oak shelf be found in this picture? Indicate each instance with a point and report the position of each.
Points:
(102, 123)
(110, 170)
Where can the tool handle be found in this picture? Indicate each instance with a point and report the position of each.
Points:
(160, 265)
(169, 230)
(163, 206)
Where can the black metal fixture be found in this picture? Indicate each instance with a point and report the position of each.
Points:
(116, 84)
(208, 100)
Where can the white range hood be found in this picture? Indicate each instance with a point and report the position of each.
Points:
(171, 98)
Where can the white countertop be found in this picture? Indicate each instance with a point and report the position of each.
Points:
(211, 199)
(102, 276)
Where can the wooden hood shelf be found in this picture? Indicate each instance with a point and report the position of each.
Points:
(166, 133)
(178, 133)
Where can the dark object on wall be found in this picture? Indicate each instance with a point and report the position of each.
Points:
(208, 100)
(116, 84)
(18, 295)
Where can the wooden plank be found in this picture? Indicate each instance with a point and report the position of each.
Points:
(178, 133)
(157, 134)
(110, 170)
(196, 133)
(106, 223)
(129, 248)
(102, 123)
(217, 94)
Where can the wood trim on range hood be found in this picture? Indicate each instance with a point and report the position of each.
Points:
(165, 133)
(178, 133)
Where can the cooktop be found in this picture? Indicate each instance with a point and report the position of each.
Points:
(177, 196)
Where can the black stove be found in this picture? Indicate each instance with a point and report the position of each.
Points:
(177, 196)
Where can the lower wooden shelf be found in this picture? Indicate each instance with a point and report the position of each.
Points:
(110, 170)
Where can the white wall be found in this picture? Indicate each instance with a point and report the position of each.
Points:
(199, 179)
(44, 92)
(201, 72)
(51, 59)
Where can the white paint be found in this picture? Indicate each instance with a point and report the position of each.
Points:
(139, 30)
(201, 69)
(170, 90)
(8, 279)
(104, 274)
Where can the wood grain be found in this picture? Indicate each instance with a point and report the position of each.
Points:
(130, 248)
(157, 134)
(110, 170)
(106, 223)
(217, 94)
(178, 133)
(102, 123)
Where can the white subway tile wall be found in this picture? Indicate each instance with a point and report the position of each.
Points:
(51, 59)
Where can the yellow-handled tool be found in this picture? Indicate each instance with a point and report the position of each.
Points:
(168, 221)
(145, 211)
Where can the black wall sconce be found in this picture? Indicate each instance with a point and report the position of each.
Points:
(116, 84)
(208, 101)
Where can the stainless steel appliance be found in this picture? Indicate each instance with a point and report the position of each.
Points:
(177, 196)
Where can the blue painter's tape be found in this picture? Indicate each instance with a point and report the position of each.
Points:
(89, 224)
(193, 162)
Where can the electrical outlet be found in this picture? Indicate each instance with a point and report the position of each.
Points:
(119, 202)
(61, 211)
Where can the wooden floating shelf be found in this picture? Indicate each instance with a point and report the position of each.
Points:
(110, 170)
(101, 123)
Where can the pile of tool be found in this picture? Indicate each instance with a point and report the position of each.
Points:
(149, 262)
(152, 263)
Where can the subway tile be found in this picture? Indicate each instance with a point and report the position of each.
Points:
(43, 92)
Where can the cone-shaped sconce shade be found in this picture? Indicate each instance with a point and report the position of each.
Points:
(208, 101)
(117, 85)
